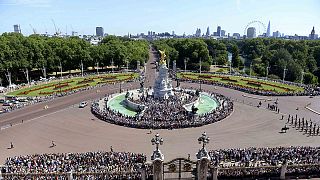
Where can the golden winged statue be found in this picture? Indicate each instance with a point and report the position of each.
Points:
(162, 57)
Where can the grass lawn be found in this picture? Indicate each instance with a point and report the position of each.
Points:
(71, 84)
(244, 82)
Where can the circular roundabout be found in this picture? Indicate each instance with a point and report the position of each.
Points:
(162, 107)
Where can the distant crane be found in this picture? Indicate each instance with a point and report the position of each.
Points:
(33, 29)
(57, 31)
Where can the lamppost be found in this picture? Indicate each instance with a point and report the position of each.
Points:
(200, 65)
(157, 153)
(81, 66)
(302, 73)
(284, 73)
(204, 140)
(185, 64)
(112, 65)
(250, 68)
(267, 73)
(60, 67)
(97, 65)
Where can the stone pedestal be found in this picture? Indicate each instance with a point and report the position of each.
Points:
(202, 164)
(283, 171)
(163, 85)
(69, 175)
(157, 163)
(214, 172)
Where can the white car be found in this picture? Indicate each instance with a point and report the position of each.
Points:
(83, 104)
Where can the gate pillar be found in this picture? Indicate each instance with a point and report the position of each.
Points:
(157, 158)
(283, 170)
(203, 158)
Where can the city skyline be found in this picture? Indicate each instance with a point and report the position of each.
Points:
(288, 17)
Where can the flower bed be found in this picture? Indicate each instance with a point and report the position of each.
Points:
(86, 80)
(205, 76)
(253, 83)
(59, 86)
(228, 79)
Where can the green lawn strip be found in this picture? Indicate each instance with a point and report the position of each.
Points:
(243, 81)
(75, 83)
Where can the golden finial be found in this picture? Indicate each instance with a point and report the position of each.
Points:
(162, 57)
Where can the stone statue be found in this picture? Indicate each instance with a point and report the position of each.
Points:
(194, 109)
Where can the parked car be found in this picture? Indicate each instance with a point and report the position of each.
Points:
(83, 104)
(7, 103)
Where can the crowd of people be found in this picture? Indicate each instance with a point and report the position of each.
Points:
(308, 90)
(110, 164)
(165, 114)
(266, 161)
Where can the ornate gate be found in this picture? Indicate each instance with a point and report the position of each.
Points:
(180, 168)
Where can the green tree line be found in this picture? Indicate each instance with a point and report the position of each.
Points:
(266, 56)
(18, 53)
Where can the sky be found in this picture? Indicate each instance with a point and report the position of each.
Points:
(121, 17)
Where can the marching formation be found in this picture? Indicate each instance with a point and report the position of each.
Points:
(303, 125)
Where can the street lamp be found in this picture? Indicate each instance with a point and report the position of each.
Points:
(185, 64)
(250, 68)
(284, 73)
(267, 73)
(200, 65)
(157, 153)
(302, 73)
(204, 140)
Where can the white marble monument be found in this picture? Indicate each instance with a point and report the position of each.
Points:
(163, 85)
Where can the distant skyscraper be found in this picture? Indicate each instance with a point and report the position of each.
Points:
(208, 32)
(198, 32)
(236, 35)
(276, 34)
(312, 35)
(223, 33)
(16, 28)
(268, 30)
(251, 32)
(219, 31)
(99, 31)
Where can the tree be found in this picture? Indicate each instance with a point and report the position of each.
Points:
(309, 78)
(236, 62)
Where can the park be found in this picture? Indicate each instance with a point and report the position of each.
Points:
(159, 104)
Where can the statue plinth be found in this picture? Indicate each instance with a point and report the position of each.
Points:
(163, 85)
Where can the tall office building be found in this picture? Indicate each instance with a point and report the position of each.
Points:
(236, 35)
(251, 32)
(312, 35)
(16, 28)
(219, 31)
(198, 32)
(208, 32)
(276, 34)
(99, 31)
(268, 30)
